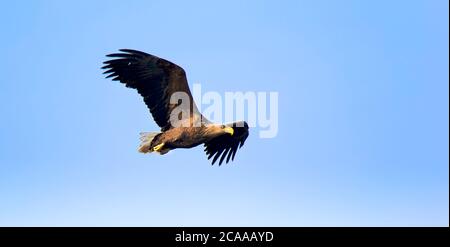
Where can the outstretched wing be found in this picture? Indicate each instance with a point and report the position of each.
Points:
(227, 145)
(155, 79)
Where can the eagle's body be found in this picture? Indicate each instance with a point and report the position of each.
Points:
(156, 80)
(180, 137)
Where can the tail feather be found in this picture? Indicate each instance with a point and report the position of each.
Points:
(146, 141)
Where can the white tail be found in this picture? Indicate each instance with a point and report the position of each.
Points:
(146, 141)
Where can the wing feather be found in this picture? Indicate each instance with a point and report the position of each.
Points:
(226, 146)
(155, 79)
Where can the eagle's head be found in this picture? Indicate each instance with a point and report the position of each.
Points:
(214, 130)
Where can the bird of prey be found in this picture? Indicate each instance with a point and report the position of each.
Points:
(156, 80)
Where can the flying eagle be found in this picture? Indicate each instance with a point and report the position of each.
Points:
(156, 80)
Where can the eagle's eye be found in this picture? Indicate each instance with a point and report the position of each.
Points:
(223, 126)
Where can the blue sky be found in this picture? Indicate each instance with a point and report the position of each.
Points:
(363, 114)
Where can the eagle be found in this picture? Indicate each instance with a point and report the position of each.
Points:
(157, 80)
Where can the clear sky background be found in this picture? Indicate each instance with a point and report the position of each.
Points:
(363, 114)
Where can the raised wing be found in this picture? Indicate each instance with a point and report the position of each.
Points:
(155, 79)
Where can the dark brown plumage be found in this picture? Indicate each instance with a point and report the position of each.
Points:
(156, 80)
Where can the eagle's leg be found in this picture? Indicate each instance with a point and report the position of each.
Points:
(158, 147)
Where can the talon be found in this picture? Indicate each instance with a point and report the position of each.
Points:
(158, 147)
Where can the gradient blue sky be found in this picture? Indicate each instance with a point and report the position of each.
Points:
(363, 114)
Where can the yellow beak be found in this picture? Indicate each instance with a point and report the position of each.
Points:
(229, 130)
